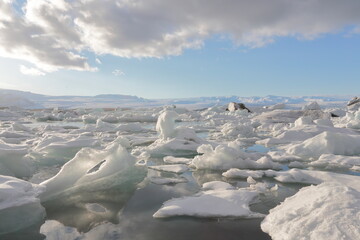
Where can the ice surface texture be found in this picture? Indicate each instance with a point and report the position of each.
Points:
(88, 167)
(220, 201)
(329, 211)
(19, 204)
(224, 157)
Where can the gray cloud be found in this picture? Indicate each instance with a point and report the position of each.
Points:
(53, 33)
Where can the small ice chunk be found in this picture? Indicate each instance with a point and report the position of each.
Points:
(240, 173)
(303, 121)
(355, 168)
(184, 141)
(175, 168)
(250, 180)
(212, 203)
(217, 185)
(260, 187)
(244, 130)
(54, 230)
(312, 106)
(171, 159)
(274, 188)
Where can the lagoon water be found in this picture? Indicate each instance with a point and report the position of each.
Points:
(124, 210)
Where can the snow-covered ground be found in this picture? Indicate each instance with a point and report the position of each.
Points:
(78, 171)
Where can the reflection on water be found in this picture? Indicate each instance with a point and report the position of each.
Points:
(137, 223)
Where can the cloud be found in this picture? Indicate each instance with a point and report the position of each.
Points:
(54, 34)
(31, 71)
(98, 61)
(118, 72)
(21, 39)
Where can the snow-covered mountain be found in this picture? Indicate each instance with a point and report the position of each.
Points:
(14, 98)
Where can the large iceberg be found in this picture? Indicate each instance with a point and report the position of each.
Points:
(329, 211)
(327, 143)
(175, 141)
(89, 167)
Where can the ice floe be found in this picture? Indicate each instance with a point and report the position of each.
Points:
(54, 230)
(323, 212)
(224, 157)
(171, 159)
(336, 161)
(13, 161)
(16, 192)
(314, 177)
(240, 173)
(19, 204)
(327, 143)
(179, 141)
(217, 202)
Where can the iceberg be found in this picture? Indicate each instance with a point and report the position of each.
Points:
(90, 166)
(19, 204)
(329, 211)
(327, 143)
(213, 203)
(224, 157)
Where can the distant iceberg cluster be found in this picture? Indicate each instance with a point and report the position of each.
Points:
(75, 173)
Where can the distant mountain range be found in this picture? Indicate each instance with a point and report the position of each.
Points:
(14, 98)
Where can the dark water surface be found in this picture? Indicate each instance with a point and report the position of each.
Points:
(131, 214)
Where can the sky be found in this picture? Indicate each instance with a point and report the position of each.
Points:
(179, 49)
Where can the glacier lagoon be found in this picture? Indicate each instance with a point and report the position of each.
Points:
(94, 174)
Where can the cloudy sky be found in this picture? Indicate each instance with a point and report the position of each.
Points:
(187, 48)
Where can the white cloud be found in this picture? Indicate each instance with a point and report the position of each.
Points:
(31, 71)
(118, 72)
(53, 34)
(98, 61)
(21, 39)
